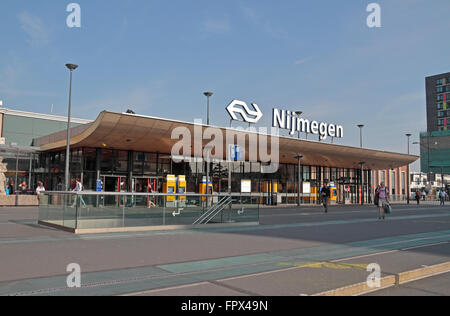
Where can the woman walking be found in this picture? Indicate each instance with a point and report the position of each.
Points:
(383, 200)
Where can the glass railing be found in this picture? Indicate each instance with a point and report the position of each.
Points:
(90, 210)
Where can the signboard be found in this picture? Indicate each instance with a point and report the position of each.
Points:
(246, 186)
(289, 120)
(248, 115)
(235, 153)
(295, 123)
(99, 185)
(306, 188)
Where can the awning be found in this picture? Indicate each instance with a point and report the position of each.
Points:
(150, 134)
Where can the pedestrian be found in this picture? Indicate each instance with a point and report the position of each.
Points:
(383, 193)
(442, 197)
(78, 188)
(11, 187)
(325, 193)
(40, 188)
(418, 195)
(424, 195)
(23, 187)
(377, 196)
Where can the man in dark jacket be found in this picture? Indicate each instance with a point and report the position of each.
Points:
(325, 193)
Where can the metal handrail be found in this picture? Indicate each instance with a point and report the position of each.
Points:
(219, 209)
(204, 215)
(92, 193)
(213, 210)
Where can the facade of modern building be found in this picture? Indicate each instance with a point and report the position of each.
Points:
(132, 153)
(429, 183)
(19, 159)
(396, 179)
(435, 143)
(435, 152)
(438, 102)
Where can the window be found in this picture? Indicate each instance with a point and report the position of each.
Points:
(440, 97)
(383, 176)
(439, 82)
(440, 122)
(393, 183)
(440, 89)
(441, 113)
(403, 183)
(440, 106)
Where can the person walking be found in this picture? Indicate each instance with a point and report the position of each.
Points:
(442, 197)
(40, 189)
(78, 188)
(418, 196)
(383, 193)
(325, 193)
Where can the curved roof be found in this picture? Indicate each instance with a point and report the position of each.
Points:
(150, 134)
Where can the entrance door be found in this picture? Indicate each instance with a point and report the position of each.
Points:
(115, 184)
(146, 185)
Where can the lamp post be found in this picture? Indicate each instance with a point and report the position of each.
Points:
(208, 152)
(408, 178)
(362, 163)
(71, 67)
(299, 159)
(299, 113)
(360, 134)
(208, 95)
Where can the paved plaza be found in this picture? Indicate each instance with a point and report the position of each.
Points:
(293, 252)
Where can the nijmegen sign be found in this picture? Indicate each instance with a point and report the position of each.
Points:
(294, 123)
(285, 120)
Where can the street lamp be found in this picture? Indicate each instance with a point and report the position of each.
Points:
(299, 159)
(407, 180)
(362, 163)
(208, 95)
(360, 134)
(208, 153)
(71, 67)
(299, 113)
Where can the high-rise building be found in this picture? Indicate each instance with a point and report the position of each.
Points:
(435, 143)
(438, 102)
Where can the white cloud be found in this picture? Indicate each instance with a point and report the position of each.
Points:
(301, 61)
(34, 28)
(216, 26)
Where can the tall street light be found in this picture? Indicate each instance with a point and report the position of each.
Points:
(360, 134)
(208, 95)
(408, 172)
(299, 113)
(362, 163)
(71, 67)
(299, 159)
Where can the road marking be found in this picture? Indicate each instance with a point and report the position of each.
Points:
(165, 289)
(326, 264)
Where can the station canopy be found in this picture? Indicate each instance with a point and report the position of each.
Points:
(150, 134)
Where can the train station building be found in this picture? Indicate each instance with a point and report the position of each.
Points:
(133, 153)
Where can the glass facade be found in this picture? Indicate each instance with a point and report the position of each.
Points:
(129, 171)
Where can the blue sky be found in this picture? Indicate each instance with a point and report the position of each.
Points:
(158, 57)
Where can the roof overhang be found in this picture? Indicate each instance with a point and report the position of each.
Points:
(150, 134)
